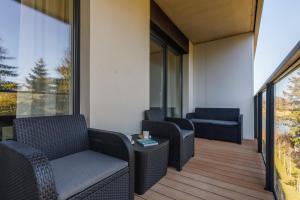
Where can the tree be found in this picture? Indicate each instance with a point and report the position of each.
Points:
(293, 118)
(38, 79)
(38, 83)
(6, 71)
(63, 84)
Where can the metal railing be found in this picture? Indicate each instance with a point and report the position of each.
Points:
(285, 76)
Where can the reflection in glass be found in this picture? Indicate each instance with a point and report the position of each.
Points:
(264, 124)
(287, 137)
(35, 59)
(156, 75)
(174, 84)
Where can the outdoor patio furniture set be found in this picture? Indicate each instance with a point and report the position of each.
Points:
(60, 158)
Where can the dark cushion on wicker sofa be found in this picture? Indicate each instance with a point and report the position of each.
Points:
(75, 173)
(215, 122)
(185, 133)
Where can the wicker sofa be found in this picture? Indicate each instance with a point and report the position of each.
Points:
(218, 123)
(59, 158)
(179, 132)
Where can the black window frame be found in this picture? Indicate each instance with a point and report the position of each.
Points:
(76, 57)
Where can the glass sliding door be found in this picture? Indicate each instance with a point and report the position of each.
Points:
(287, 137)
(156, 75)
(174, 75)
(36, 59)
(165, 78)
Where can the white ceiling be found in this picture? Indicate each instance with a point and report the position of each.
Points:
(207, 20)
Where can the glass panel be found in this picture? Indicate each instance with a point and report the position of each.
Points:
(264, 124)
(174, 84)
(35, 59)
(156, 75)
(287, 137)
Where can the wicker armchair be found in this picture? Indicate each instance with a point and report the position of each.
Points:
(179, 132)
(59, 158)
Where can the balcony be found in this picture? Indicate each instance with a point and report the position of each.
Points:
(77, 77)
(212, 174)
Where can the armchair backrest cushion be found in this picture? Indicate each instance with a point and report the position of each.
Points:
(154, 114)
(56, 136)
(226, 114)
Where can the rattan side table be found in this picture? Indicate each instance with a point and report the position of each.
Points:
(150, 164)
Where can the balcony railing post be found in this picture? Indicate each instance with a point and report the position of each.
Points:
(255, 117)
(259, 122)
(270, 138)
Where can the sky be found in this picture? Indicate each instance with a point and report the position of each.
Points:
(29, 35)
(279, 33)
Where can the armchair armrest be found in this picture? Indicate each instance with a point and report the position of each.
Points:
(182, 123)
(111, 143)
(25, 173)
(116, 145)
(190, 115)
(167, 130)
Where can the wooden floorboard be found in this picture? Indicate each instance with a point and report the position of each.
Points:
(219, 171)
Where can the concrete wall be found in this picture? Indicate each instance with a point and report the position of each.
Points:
(223, 76)
(119, 64)
(187, 71)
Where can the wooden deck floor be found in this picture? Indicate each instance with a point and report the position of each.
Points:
(219, 171)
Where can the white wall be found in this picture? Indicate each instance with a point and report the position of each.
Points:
(188, 93)
(119, 64)
(223, 76)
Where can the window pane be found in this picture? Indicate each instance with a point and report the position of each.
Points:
(287, 137)
(35, 59)
(156, 75)
(174, 84)
(264, 124)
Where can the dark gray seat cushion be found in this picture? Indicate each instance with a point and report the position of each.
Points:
(186, 133)
(76, 172)
(215, 122)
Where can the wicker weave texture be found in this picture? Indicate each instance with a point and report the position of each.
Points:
(24, 165)
(151, 167)
(115, 187)
(25, 173)
(56, 136)
(188, 149)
